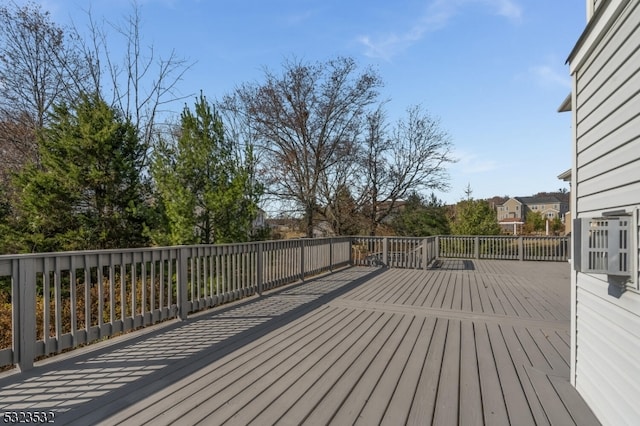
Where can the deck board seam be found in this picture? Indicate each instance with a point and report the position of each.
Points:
(451, 314)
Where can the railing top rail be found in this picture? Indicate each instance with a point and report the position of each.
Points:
(5, 257)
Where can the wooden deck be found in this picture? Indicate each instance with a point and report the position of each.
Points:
(469, 342)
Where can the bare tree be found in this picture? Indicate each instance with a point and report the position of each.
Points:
(142, 84)
(306, 121)
(411, 157)
(39, 67)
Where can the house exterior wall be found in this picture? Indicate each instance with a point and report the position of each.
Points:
(605, 66)
(517, 208)
(549, 210)
(511, 209)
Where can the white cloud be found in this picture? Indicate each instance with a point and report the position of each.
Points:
(507, 8)
(547, 76)
(437, 15)
(299, 18)
(471, 163)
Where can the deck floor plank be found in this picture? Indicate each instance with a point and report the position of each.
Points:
(429, 290)
(390, 382)
(399, 406)
(448, 393)
(271, 386)
(493, 404)
(352, 389)
(287, 373)
(485, 305)
(164, 400)
(412, 286)
(464, 342)
(331, 372)
(532, 351)
(493, 295)
(553, 406)
(559, 361)
(517, 300)
(226, 379)
(522, 357)
(578, 409)
(424, 400)
(466, 295)
(470, 394)
(301, 378)
(515, 400)
(448, 296)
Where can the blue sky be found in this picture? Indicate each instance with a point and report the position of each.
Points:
(492, 71)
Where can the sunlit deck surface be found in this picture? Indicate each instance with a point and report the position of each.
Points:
(467, 342)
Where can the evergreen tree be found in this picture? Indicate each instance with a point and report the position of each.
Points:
(474, 217)
(87, 191)
(421, 219)
(205, 187)
(534, 222)
(557, 226)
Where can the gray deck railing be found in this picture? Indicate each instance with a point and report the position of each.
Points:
(418, 253)
(553, 249)
(395, 252)
(60, 301)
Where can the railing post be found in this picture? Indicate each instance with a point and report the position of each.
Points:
(437, 254)
(183, 271)
(24, 314)
(302, 266)
(425, 253)
(260, 267)
(351, 239)
(520, 248)
(476, 247)
(385, 252)
(330, 254)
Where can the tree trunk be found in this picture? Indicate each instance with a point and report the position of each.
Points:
(309, 217)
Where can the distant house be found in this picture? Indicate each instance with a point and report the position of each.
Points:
(513, 213)
(260, 221)
(605, 197)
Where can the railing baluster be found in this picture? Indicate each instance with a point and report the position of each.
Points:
(206, 276)
(46, 293)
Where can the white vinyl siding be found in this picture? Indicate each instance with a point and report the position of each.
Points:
(606, 173)
(607, 117)
(608, 342)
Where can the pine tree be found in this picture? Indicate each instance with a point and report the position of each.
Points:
(420, 218)
(87, 192)
(474, 217)
(207, 190)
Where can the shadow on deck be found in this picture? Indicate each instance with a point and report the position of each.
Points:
(453, 265)
(470, 342)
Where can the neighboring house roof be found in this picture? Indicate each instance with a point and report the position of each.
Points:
(516, 199)
(538, 200)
